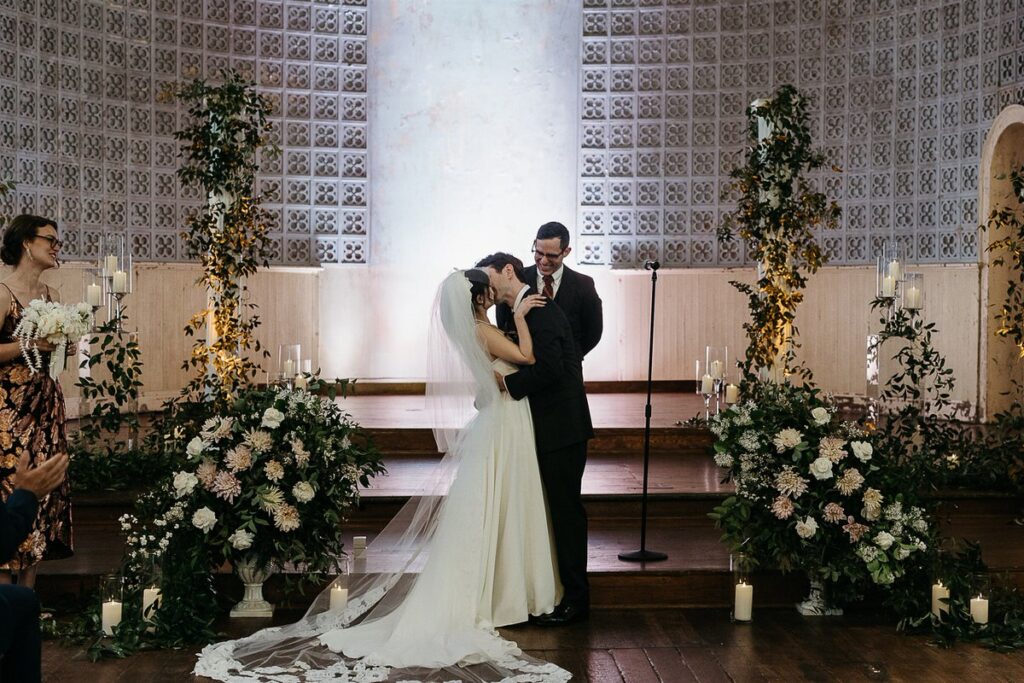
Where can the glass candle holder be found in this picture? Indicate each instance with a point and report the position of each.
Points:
(743, 589)
(339, 586)
(913, 292)
(289, 360)
(111, 602)
(981, 588)
(890, 270)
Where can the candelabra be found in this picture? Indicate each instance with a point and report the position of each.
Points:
(111, 279)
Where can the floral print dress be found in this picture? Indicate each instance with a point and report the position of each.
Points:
(32, 420)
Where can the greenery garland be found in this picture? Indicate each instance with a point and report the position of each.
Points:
(777, 213)
(227, 130)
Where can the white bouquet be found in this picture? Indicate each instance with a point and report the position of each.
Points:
(56, 323)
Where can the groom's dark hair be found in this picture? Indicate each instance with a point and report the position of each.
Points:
(499, 260)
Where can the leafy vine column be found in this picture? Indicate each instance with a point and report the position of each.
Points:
(776, 215)
(228, 236)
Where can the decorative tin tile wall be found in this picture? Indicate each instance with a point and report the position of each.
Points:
(902, 92)
(83, 136)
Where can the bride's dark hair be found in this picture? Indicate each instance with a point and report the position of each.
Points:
(479, 283)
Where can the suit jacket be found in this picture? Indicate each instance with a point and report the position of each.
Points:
(16, 518)
(554, 384)
(578, 299)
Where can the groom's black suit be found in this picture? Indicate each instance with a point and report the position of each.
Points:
(561, 423)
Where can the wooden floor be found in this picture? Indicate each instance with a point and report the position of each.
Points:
(663, 645)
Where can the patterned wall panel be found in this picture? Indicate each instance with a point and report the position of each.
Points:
(82, 134)
(902, 93)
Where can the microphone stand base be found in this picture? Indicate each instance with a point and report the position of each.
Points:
(643, 556)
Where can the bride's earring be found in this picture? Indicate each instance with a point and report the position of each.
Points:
(30, 256)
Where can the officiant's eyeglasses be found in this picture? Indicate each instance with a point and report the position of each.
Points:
(54, 242)
(543, 254)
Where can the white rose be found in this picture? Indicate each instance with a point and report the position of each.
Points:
(241, 539)
(862, 450)
(195, 447)
(883, 539)
(807, 527)
(821, 416)
(272, 418)
(821, 468)
(204, 519)
(871, 512)
(303, 492)
(184, 482)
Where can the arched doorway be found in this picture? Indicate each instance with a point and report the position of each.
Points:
(998, 363)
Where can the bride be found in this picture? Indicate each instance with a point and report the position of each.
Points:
(472, 552)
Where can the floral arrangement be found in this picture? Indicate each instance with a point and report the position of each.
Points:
(811, 492)
(270, 482)
(56, 323)
(777, 214)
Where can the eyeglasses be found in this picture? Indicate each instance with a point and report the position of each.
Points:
(54, 242)
(551, 257)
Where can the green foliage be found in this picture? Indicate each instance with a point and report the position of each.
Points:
(776, 216)
(228, 236)
(101, 458)
(1008, 250)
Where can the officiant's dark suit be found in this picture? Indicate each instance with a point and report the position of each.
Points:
(562, 426)
(578, 299)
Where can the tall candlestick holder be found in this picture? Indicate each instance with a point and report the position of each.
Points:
(890, 274)
(115, 268)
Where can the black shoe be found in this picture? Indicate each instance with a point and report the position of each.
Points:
(564, 614)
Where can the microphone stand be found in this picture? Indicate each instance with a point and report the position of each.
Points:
(645, 555)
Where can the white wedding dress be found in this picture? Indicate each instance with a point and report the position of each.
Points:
(472, 560)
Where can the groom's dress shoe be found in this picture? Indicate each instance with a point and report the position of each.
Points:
(564, 614)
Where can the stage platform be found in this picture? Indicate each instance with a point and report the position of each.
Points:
(684, 486)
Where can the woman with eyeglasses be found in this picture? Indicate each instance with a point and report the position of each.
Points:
(31, 404)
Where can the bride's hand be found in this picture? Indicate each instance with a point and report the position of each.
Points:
(43, 346)
(529, 303)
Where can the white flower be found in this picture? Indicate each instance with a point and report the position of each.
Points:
(204, 519)
(195, 447)
(345, 444)
(241, 539)
(272, 418)
(903, 553)
(786, 439)
(723, 460)
(184, 482)
(867, 552)
(303, 492)
(821, 416)
(807, 527)
(884, 540)
(862, 450)
(821, 468)
(920, 525)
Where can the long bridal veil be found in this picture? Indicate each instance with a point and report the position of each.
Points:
(460, 389)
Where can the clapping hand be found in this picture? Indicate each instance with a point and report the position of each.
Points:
(42, 479)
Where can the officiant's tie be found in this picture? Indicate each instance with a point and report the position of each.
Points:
(549, 291)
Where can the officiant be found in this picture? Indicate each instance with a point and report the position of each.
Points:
(574, 292)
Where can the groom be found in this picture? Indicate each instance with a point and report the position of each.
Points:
(561, 423)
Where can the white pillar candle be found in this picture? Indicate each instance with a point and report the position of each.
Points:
(732, 393)
(94, 295)
(744, 602)
(979, 610)
(119, 285)
(301, 382)
(109, 264)
(938, 593)
(289, 367)
(912, 298)
(339, 598)
(888, 286)
(895, 270)
(110, 616)
(150, 598)
(716, 369)
(707, 385)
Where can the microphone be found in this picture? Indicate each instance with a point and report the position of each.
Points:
(651, 265)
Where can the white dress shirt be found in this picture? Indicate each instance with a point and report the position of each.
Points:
(557, 275)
